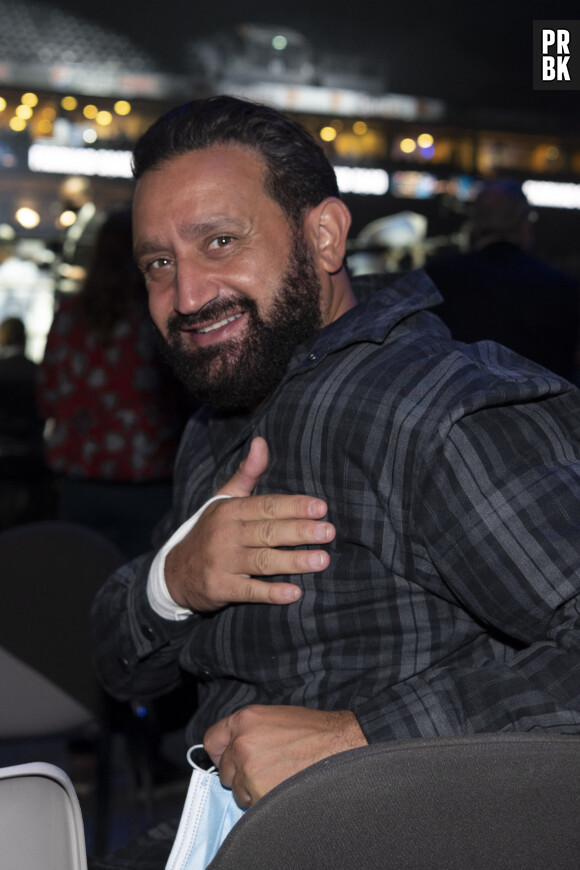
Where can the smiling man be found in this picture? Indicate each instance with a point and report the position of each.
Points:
(374, 533)
(230, 334)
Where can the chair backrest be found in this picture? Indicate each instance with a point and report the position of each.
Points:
(49, 575)
(501, 801)
(40, 820)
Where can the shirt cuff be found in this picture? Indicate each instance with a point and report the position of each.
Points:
(157, 592)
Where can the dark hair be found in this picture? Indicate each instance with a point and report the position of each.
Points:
(298, 174)
(113, 284)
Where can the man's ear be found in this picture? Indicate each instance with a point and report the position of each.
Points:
(326, 227)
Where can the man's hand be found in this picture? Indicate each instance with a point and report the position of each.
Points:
(259, 747)
(238, 538)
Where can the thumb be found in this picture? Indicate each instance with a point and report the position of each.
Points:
(248, 475)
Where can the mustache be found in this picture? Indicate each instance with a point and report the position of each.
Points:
(217, 309)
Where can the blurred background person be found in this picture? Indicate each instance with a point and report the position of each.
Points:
(24, 481)
(76, 197)
(16, 273)
(498, 290)
(115, 411)
(26, 287)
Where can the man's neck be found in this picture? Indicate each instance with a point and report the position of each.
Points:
(340, 299)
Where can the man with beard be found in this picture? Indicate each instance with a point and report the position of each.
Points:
(409, 502)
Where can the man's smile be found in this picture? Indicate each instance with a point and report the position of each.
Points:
(214, 331)
(218, 325)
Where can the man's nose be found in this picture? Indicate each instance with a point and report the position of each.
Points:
(193, 289)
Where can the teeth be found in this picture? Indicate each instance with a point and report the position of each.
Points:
(219, 324)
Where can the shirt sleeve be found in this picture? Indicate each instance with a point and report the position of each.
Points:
(157, 592)
(141, 656)
(496, 518)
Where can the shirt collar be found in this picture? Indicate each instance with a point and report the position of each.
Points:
(383, 303)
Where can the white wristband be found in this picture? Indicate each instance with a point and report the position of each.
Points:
(157, 592)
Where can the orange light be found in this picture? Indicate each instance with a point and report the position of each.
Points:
(328, 134)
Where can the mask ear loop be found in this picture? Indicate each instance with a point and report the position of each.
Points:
(196, 766)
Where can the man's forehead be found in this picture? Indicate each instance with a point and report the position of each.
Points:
(225, 178)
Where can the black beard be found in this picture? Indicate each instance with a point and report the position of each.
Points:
(242, 372)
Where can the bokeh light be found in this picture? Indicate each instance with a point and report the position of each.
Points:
(104, 118)
(122, 107)
(425, 140)
(29, 99)
(67, 218)
(23, 112)
(27, 218)
(17, 124)
(44, 127)
(328, 134)
(407, 146)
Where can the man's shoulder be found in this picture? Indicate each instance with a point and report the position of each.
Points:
(383, 301)
(392, 352)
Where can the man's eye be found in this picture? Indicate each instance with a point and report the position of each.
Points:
(221, 242)
(159, 263)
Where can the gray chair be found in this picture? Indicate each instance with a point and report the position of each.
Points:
(41, 824)
(50, 573)
(481, 802)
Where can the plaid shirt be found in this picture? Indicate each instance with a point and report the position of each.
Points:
(452, 475)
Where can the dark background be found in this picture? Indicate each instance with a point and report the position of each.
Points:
(466, 53)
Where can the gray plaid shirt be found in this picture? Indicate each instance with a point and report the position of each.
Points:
(452, 475)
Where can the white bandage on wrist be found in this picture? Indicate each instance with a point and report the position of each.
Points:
(157, 592)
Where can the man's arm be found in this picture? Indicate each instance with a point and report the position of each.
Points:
(497, 516)
(136, 649)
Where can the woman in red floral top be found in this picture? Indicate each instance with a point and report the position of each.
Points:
(116, 412)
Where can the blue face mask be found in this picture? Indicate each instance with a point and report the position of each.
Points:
(209, 814)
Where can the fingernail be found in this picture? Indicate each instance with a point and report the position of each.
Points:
(317, 509)
(291, 593)
(321, 532)
(315, 560)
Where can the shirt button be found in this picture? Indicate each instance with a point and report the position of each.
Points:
(148, 632)
(125, 664)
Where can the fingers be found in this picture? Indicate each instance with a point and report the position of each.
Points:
(217, 743)
(216, 739)
(266, 562)
(249, 590)
(248, 475)
(285, 533)
(274, 506)
(237, 527)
